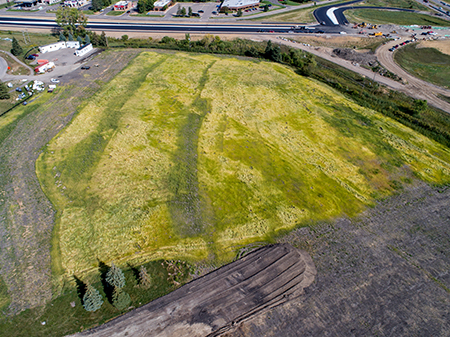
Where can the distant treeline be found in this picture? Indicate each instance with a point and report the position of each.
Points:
(415, 114)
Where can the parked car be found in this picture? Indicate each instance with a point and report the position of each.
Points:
(85, 67)
(54, 80)
(201, 11)
(25, 103)
(18, 89)
(31, 57)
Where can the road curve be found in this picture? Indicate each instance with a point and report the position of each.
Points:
(4, 67)
(415, 88)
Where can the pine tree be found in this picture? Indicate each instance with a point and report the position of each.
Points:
(62, 37)
(190, 11)
(4, 94)
(87, 39)
(70, 37)
(144, 278)
(80, 39)
(115, 277)
(120, 299)
(92, 300)
(183, 11)
(16, 48)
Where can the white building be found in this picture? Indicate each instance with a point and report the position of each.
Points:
(73, 44)
(83, 51)
(52, 47)
(160, 4)
(240, 4)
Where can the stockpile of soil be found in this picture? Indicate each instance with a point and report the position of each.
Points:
(365, 59)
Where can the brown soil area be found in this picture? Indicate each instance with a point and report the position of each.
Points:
(442, 45)
(385, 273)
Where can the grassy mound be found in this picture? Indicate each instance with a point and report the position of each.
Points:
(428, 64)
(192, 156)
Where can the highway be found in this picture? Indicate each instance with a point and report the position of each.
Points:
(162, 27)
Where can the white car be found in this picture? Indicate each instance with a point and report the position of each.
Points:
(24, 80)
(54, 80)
(10, 85)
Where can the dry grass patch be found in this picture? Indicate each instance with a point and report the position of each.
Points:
(190, 156)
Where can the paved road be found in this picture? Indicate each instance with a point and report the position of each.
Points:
(333, 15)
(4, 67)
(124, 26)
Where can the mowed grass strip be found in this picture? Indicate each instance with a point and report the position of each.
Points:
(393, 17)
(191, 156)
(428, 64)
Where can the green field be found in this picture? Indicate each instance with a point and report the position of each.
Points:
(393, 17)
(428, 64)
(192, 156)
(409, 4)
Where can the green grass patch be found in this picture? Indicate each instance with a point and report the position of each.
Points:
(61, 318)
(394, 17)
(4, 296)
(36, 40)
(408, 4)
(428, 64)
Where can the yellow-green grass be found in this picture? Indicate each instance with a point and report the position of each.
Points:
(191, 156)
(428, 64)
(393, 17)
(301, 15)
(409, 4)
(36, 39)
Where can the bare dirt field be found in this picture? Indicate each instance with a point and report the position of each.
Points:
(216, 302)
(442, 45)
(385, 273)
(26, 216)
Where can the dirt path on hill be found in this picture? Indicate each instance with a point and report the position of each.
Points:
(26, 215)
(414, 87)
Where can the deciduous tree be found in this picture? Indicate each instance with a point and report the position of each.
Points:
(71, 20)
(144, 278)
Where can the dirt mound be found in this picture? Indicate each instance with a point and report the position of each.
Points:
(365, 59)
(215, 303)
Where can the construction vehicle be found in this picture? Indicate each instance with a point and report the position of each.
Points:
(378, 34)
(362, 25)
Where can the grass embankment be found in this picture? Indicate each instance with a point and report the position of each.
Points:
(428, 64)
(393, 17)
(408, 4)
(205, 154)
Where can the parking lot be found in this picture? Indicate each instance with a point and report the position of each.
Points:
(205, 9)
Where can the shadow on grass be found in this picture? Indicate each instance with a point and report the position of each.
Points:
(107, 288)
(81, 287)
(135, 273)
